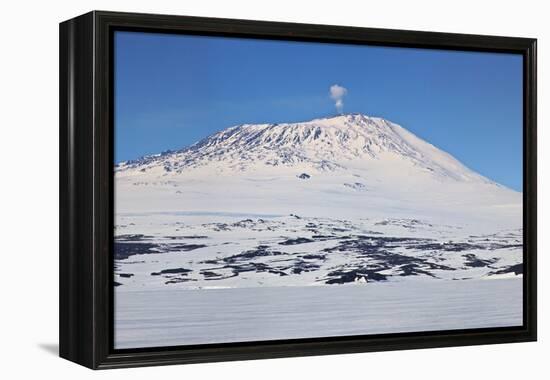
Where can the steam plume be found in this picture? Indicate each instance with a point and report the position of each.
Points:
(337, 94)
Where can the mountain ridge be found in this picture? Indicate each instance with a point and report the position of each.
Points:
(325, 144)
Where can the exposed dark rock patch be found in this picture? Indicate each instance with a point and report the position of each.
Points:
(209, 262)
(260, 251)
(449, 247)
(209, 274)
(504, 246)
(474, 262)
(300, 240)
(187, 237)
(217, 226)
(376, 250)
(339, 229)
(245, 223)
(180, 271)
(405, 223)
(133, 237)
(178, 280)
(300, 266)
(352, 275)
(182, 247)
(516, 269)
(123, 250)
(312, 256)
(326, 237)
(356, 186)
(413, 270)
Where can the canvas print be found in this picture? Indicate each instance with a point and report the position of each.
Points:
(270, 190)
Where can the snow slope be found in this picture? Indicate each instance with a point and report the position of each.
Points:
(353, 162)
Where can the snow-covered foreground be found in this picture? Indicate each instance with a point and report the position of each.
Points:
(201, 250)
(171, 317)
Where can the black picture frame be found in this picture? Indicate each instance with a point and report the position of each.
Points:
(86, 189)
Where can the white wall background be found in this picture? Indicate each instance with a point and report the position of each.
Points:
(29, 187)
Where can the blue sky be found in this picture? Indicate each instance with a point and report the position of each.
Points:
(172, 90)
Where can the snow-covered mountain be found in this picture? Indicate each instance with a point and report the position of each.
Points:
(349, 208)
(329, 201)
(340, 165)
(326, 144)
